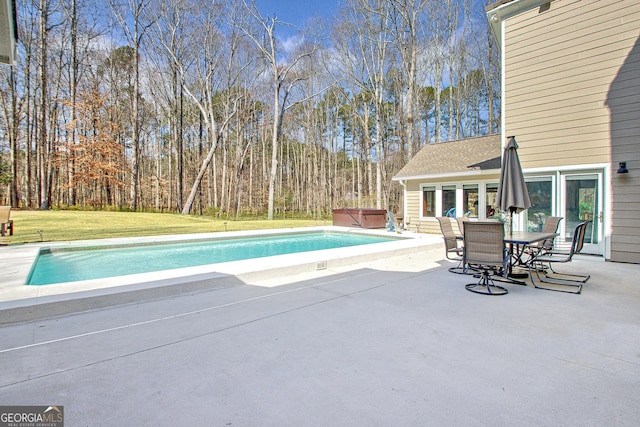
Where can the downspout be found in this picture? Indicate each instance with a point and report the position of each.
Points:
(404, 203)
(503, 93)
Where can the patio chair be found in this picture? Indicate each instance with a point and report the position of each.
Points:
(485, 251)
(453, 250)
(461, 220)
(6, 223)
(542, 264)
(550, 226)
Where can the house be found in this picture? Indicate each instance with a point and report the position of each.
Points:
(571, 97)
(452, 178)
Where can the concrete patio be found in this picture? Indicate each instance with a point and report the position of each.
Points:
(390, 342)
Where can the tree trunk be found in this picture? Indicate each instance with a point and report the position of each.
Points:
(73, 83)
(277, 118)
(196, 183)
(42, 119)
(135, 143)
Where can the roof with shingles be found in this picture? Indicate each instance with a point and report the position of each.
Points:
(460, 156)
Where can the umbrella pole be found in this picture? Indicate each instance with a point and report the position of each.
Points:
(512, 262)
(510, 222)
(511, 212)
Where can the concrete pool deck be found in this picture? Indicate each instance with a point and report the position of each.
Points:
(19, 302)
(391, 341)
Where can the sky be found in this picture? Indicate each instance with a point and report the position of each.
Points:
(296, 12)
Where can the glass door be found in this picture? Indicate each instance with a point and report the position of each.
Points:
(582, 201)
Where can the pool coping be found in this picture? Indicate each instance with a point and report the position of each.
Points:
(20, 302)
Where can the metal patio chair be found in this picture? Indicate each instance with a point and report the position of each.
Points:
(542, 264)
(461, 220)
(550, 226)
(485, 252)
(453, 250)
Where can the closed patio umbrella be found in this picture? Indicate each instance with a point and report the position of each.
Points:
(512, 195)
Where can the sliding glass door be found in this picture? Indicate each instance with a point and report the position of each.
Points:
(581, 200)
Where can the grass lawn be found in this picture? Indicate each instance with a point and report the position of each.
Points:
(52, 225)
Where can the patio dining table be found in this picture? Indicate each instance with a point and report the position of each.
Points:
(518, 241)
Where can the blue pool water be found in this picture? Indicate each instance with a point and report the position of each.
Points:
(60, 265)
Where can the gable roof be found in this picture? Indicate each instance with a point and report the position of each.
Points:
(461, 157)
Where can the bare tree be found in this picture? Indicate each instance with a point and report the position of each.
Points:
(204, 69)
(285, 75)
(215, 113)
(364, 53)
(434, 62)
(135, 22)
(41, 147)
(11, 107)
(167, 86)
(406, 21)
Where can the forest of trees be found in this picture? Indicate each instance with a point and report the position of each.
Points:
(213, 107)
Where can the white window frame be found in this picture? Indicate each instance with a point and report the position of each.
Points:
(482, 192)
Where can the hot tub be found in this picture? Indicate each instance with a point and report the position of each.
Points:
(360, 217)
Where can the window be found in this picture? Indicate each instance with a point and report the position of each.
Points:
(429, 201)
(470, 200)
(458, 200)
(540, 193)
(449, 200)
(492, 192)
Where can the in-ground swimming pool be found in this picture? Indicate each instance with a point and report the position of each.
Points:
(74, 264)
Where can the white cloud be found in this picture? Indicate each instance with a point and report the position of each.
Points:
(290, 44)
